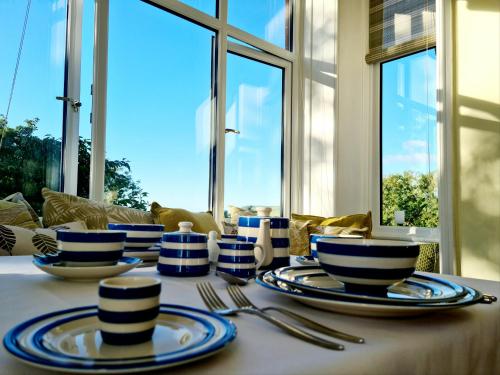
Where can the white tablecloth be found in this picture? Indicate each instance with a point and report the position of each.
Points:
(463, 341)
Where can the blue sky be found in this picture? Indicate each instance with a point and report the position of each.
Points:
(159, 82)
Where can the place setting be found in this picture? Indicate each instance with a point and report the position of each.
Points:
(86, 255)
(368, 278)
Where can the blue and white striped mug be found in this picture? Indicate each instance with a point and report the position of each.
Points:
(128, 309)
(237, 258)
(248, 230)
(184, 253)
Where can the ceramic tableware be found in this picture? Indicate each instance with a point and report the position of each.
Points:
(417, 289)
(238, 258)
(362, 308)
(128, 308)
(184, 253)
(61, 270)
(313, 239)
(367, 265)
(149, 255)
(139, 236)
(89, 248)
(70, 341)
(271, 233)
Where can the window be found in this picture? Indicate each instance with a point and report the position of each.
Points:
(408, 142)
(32, 74)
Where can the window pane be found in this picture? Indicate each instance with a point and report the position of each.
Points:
(207, 6)
(158, 108)
(409, 150)
(253, 157)
(87, 62)
(266, 19)
(30, 153)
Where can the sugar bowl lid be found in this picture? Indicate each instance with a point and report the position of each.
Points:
(184, 234)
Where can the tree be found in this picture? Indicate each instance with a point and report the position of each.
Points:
(414, 193)
(28, 163)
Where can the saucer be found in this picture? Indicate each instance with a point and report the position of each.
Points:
(414, 290)
(70, 341)
(86, 273)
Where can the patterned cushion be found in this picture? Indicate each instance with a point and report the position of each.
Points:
(349, 224)
(16, 214)
(21, 241)
(203, 222)
(228, 228)
(299, 237)
(59, 208)
(19, 198)
(428, 259)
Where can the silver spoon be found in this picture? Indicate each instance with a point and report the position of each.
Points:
(233, 280)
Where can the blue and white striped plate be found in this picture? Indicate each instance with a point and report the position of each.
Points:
(417, 289)
(361, 308)
(70, 341)
(59, 269)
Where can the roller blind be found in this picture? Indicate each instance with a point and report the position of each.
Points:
(400, 27)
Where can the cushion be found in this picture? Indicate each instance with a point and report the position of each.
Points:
(203, 222)
(19, 198)
(299, 237)
(59, 208)
(428, 259)
(21, 241)
(16, 214)
(349, 224)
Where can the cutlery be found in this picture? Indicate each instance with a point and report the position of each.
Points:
(216, 305)
(234, 280)
(243, 302)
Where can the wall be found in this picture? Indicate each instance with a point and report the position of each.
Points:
(476, 64)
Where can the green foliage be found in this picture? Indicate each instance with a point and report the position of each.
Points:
(414, 193)
(28, 163)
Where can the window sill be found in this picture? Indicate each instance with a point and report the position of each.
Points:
(406, 233)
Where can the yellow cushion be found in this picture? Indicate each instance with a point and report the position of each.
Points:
(16, 214)
(203, 222)
(299, 237)
(343, 224)
(19, 198)
(59, 208)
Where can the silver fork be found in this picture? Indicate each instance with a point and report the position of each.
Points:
(243, 302)
(216, 305)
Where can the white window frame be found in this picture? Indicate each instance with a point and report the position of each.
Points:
(383, 231)
(269, 54)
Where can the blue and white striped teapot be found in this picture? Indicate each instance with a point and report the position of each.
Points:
(269, 232)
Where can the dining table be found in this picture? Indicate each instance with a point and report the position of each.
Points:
(458, 341)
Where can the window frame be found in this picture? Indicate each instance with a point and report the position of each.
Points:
(384, 231)
(269, 54)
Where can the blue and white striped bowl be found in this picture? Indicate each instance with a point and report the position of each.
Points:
(139, 235)
(184, 253)
(367, 265)
(128, 308)
(248, 230)
(313, 239)
(236, 258)
(90, 248)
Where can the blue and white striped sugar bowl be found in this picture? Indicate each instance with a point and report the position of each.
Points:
(128, 309)
(236, 258)
(367, 265)
(248, 231)
(184, 253)
(89, 248)
(139, 235)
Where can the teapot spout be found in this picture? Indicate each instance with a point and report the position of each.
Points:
(266, 253)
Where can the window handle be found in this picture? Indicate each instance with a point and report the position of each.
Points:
(234, 131)
(76, 104)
